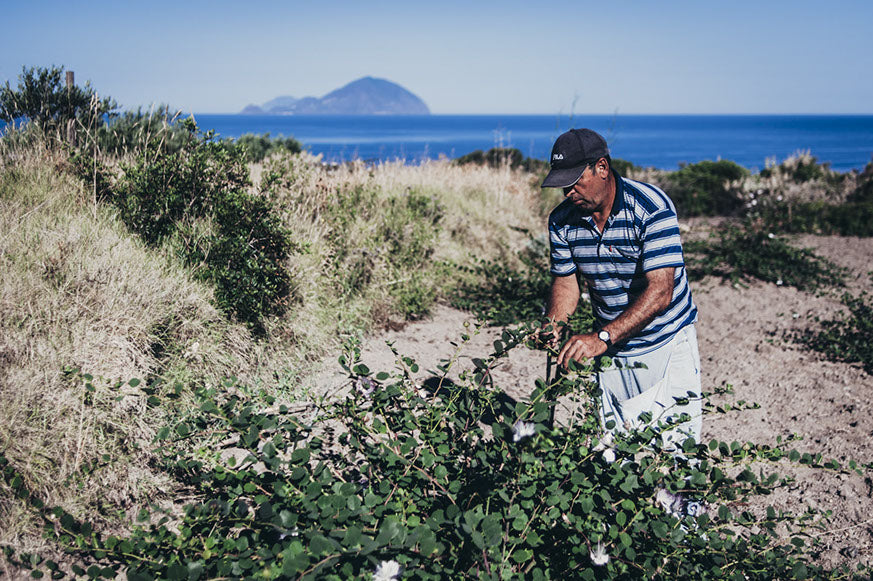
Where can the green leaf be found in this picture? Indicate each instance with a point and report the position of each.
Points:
(624, 539)
(300, 456)
(319, 545)
(522, 556)
(352, 537)
(799, 571)
(659, 529)
(390, 530)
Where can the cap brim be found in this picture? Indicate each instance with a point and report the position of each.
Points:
(563, 178)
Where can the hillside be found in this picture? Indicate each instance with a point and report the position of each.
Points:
(365, 96)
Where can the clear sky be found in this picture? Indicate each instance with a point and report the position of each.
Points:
(559, 57)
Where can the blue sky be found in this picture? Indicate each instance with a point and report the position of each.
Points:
(560, 57)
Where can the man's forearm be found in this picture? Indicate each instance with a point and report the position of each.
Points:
(653, 300)
(563, 298)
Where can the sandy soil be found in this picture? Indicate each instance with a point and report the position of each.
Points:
(745, 341)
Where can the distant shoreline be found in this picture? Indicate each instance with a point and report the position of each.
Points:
(660, 141)
(665, 142)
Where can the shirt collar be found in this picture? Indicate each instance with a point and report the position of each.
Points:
(618, 204)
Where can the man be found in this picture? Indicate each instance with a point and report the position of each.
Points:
(621, 239)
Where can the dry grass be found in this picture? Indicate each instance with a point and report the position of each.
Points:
(486, 215)
(79, 292)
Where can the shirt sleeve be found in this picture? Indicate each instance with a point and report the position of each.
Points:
(561, 259)
(662, 247)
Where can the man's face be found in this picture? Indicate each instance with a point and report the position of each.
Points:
(590, 193)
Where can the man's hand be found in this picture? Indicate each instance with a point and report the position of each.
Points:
(581, 347)
(548, 336)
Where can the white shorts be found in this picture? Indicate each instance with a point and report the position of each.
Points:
(653, 382)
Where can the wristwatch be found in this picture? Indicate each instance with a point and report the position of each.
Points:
(604, 336)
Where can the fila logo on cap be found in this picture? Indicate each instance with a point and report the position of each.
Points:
(557, 156)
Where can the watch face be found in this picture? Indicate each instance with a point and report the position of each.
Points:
(603, 336)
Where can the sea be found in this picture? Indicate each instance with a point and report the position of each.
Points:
(844, 142)
(666, 142)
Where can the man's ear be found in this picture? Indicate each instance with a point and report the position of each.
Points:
(601, 168)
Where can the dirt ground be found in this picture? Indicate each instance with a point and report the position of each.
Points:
(745, 341)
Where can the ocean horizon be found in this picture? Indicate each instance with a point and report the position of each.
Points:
(845, 142)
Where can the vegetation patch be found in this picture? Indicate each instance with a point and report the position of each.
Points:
(497, 157)
(504, 295)
(55, 111)
(707, 188)
(198, 197)
(847, 338)
(738, 253)
(447, 479)
(258, 147)
(852, 216)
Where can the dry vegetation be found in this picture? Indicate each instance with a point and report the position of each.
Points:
(81, 295)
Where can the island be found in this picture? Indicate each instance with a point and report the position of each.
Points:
(365, 96)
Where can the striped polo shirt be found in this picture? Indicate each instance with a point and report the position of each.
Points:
(641, 235)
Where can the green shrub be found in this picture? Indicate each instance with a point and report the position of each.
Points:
(801, 196)
(738, 253)
(198, 198)
(502, 156)
(503, 295)
(800, 168)
(131, 132)
(258, 147)
(450, 480)
(42, 99)
(863, 193)
(852, 218)
(624, 167)
(707, 188)
(848, 338)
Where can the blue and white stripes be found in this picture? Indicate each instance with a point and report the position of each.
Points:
(641, 235)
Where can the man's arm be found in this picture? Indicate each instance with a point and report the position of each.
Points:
(654, 299)
(563, 297)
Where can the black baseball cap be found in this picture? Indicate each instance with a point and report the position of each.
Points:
(572, 153)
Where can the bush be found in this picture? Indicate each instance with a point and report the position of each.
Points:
(801, 196)
(258, 147)
(738, 253)
(848, 338)
(852, 218)
(132, 132)
(42, 99)
(800, 168)
(707, 188)
(863, 193)
(503, 156)
(503, 295)
(623, 167)
(197, 198)
(453, 480)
